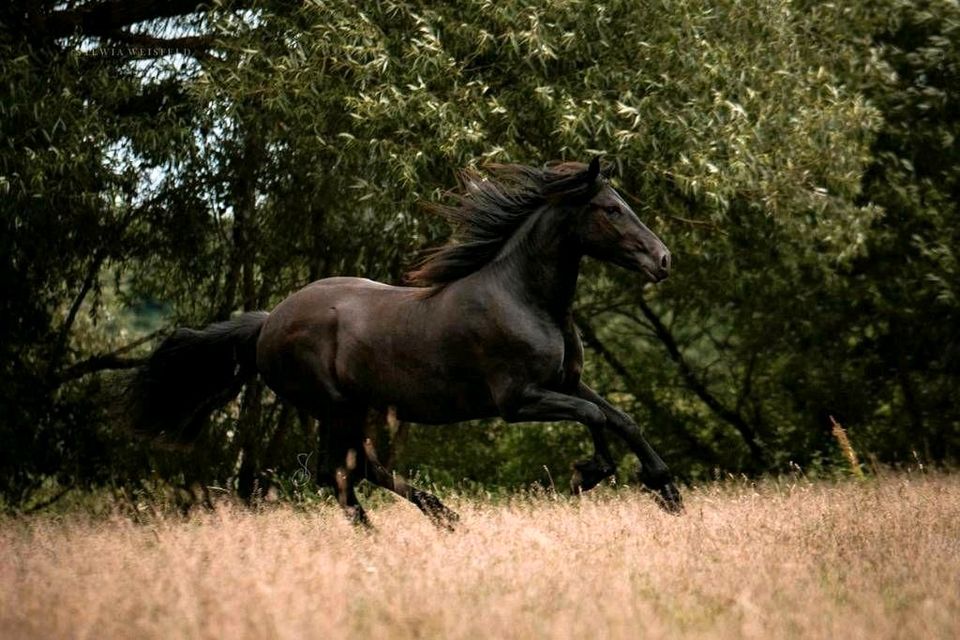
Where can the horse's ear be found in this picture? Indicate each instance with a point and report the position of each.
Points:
(570, 181)
(593, 170)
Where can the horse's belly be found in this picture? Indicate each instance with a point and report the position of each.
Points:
(443, 415)
(432, 399)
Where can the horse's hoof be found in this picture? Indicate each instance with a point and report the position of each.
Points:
(440, 515)
(589, 473)
(576, 482)
(445, 519)
(357, 517)
(668, 498)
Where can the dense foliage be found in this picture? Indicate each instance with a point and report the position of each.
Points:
(162, 167)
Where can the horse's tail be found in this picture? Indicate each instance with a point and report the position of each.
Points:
(191, 374)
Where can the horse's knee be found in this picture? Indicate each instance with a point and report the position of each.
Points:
(590, 414)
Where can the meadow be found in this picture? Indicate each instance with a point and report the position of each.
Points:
(875, 558)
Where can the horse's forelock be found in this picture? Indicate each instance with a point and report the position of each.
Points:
(572, 180)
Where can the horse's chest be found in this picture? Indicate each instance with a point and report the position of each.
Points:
(540, 353)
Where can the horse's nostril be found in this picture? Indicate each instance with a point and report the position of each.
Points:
(665, 261)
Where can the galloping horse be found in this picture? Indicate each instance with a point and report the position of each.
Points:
(486, 331)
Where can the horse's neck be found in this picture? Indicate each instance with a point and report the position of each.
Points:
(542, 266)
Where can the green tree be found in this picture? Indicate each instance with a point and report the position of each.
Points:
(782, 151)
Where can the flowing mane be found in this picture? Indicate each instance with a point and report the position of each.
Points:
(489, 208)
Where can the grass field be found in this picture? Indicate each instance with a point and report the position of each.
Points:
(879, 558)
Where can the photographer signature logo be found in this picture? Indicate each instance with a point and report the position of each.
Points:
(302, 475)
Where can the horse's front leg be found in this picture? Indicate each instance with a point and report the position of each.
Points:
(533, 403)
(654, 471)
(340, 452)
(594, 470)
(537, 404)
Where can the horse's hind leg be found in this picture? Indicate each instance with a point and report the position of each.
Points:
(428, 503)
(341, 433)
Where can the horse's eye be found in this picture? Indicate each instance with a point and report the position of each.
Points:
(612, 209)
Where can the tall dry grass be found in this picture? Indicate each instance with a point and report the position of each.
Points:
(856, 560)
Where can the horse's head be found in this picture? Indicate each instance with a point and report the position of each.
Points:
(609, 230)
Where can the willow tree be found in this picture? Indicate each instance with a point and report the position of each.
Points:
(729, 125)
(300, 141)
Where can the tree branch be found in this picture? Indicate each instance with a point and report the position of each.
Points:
(103, 18)
(746, 385)
(153, 100)
(108, 361)
(99, 256)
(591, 340)
(733, 418)
(704, 224)
(52, 500)
(89, 279)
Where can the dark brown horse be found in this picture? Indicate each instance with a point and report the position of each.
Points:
(487, 331)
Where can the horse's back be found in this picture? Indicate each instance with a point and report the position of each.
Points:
(349, 282)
